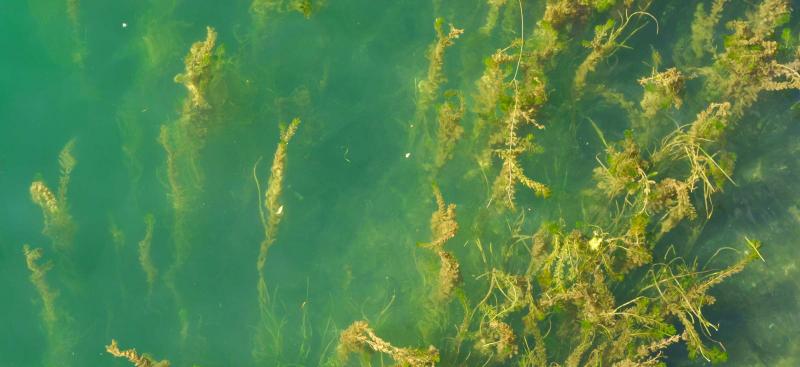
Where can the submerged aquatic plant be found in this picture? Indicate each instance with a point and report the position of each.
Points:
(661, 91)
(609, 38)
(264, 10)
(604, 292)
(682, 292)
(749, 64)
(54, 320)
(511, 173)
(270, 209)
(575, 275)
(504, 139)
(497, 339)
(571, 285)
(360, 338)
(694, 147)
(449, 130)
(507, 294)
(702, 38)
(506, 107)
(444, 228)
(270, 212)
(58, 223)
(73, 16)
(145, 259)
(429, 87)
(491, 16)
(624, 171)
(134, 358)
(197, 74)
(37, 277)
(182, 141)
(559, 13)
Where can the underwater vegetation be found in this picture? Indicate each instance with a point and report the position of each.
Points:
(58, 223)
(145, 258)
(429, 87)
(358, 337)
(262, 11)
(270, 212)
(570, 289)
(133, 357)
(545, 188)
(183, 141)
(56, 322)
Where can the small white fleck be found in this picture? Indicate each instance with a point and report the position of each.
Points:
(280, 210)
(408, 154)
(595, 243)
(124, 25)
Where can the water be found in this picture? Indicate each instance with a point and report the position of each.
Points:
(356, 203)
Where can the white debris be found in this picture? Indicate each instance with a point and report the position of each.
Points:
(595, 243)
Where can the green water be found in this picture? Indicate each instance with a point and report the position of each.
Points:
(357, 199)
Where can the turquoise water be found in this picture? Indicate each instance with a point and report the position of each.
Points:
(357, 201)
